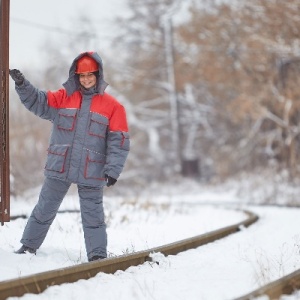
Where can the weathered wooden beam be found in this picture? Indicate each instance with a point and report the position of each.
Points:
(4, 113)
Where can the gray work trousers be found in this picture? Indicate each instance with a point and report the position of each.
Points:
(92, 215)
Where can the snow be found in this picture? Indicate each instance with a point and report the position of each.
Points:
(225, 269)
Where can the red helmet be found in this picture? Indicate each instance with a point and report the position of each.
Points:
(86, 64)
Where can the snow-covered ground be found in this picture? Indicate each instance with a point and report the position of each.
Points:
(225, 269)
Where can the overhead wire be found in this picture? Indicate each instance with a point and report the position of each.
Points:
(41, 26)
(50, 28)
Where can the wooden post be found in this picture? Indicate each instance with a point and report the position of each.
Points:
(4, 113)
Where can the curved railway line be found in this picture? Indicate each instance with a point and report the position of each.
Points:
(39, 282)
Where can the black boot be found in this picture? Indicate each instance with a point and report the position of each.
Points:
(96, 257)
(24, 249)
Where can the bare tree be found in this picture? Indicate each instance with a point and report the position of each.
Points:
(219, 88)
(237, 51)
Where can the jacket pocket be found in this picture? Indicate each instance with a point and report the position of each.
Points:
(94, 167)
(98, 125)
(66, 119)
(125, 142)
(56, 158)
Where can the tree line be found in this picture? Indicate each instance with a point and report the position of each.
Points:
(208, 95)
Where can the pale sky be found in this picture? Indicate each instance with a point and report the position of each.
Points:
(33, 20)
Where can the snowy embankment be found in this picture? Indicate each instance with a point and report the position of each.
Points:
(225, 269)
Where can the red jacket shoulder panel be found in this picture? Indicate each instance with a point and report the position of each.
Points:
(60, 99)
(111, 108)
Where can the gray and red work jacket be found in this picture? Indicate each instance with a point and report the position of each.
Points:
(90, 134)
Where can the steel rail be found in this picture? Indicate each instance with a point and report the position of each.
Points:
(37, 283)
(283, 286)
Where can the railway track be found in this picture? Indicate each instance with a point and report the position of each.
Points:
(284, 286)
(37, 283)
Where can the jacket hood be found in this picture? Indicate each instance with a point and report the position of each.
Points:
(72, 84)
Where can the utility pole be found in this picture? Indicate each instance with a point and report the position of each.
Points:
(173, 98)
(4, 113)
(186, 166)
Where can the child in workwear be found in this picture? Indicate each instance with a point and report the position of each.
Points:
(89, 145)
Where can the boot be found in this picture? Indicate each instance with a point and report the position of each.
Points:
(96, 257)
(24, 249)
